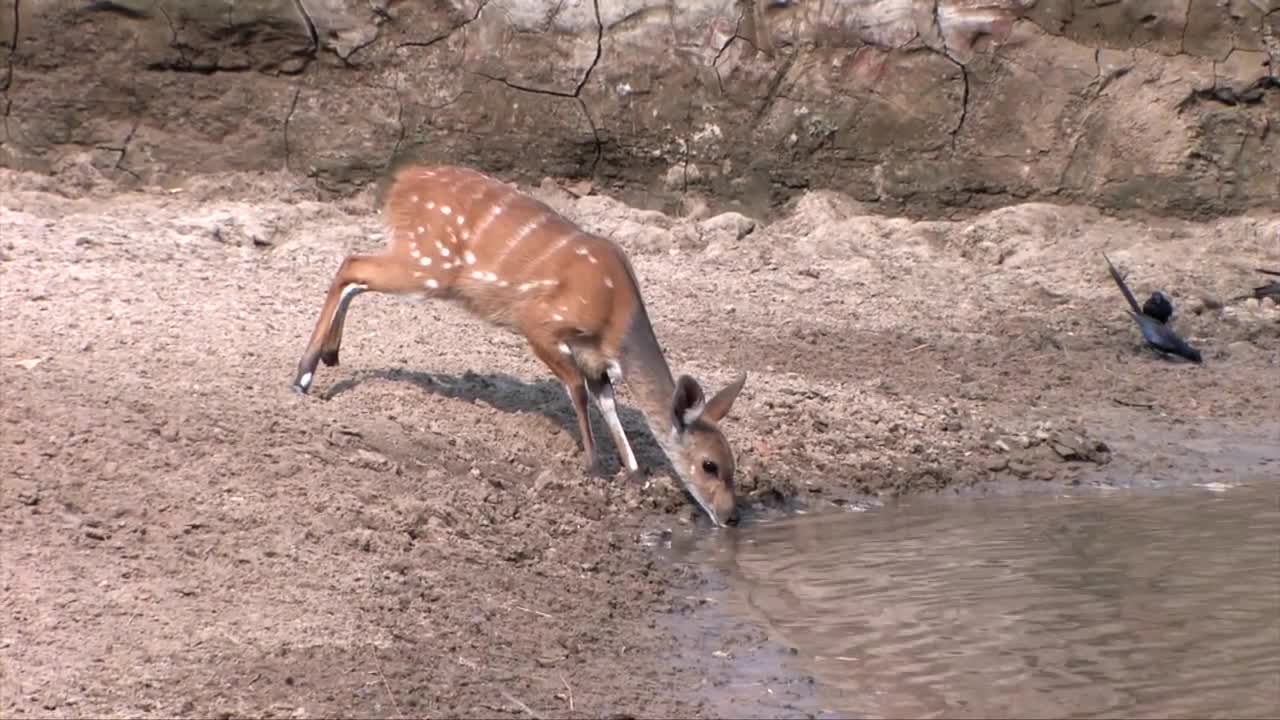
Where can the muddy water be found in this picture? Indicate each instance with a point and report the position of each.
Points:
(1134, 604)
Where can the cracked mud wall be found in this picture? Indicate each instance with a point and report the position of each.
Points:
(923, 106)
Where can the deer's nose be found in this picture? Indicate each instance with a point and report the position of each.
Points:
(733, 517)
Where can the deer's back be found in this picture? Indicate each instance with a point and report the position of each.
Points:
(509, 257)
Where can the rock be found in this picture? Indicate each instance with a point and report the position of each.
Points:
(27, 493)
(726, 227)
(1119, 105)
(372, 460)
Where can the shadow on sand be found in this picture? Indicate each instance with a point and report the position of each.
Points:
(512, 395)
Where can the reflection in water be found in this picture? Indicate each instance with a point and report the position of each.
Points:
(1160, 605)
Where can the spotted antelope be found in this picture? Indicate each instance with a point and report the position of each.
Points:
(461, 235)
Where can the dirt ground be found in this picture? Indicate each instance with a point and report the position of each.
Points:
(183, 536)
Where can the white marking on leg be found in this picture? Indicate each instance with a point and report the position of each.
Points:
(608, 408)
(614, 371)
(344, 299)
(351, 291)
(305, 380)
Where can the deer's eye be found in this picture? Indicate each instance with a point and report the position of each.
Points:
(709, 467)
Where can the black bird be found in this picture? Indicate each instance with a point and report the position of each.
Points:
(1270, 289)
(1153, 318)
(1158, 306)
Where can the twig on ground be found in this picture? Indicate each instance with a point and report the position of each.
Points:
(535, 612)
(916, 348)
(516, 701)
(386, 686)
(1132, 403)
(568, 690)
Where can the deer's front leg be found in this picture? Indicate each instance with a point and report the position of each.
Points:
(602, 390)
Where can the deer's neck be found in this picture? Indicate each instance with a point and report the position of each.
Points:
(647, 376)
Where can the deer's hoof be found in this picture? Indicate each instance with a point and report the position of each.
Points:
(301, 384)
(638, 477)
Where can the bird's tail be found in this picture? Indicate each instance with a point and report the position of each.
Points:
(1128, 296)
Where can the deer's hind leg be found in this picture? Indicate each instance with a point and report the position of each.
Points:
(553, 354)
(357, 274)
(333, 340)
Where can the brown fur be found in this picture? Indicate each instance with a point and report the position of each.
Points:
(460, 235)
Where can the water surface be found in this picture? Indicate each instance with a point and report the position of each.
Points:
(1129, 604)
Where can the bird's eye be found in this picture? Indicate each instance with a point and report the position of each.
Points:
(709, 467)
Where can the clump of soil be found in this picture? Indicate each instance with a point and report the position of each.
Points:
(182, 535)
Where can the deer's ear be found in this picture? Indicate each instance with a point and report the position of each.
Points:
(687, 402)
(719, 405)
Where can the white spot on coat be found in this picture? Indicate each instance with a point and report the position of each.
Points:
(446, 209)
(432, 284)
(470, 257)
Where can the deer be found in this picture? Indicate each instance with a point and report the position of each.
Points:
(465, 237)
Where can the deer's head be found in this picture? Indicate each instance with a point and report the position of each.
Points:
(698, 449)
